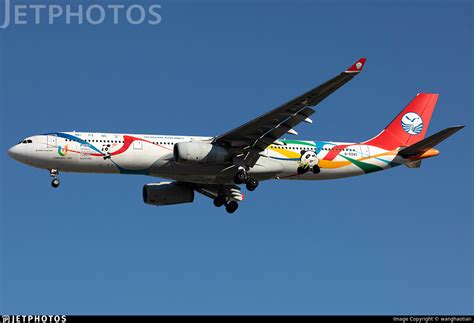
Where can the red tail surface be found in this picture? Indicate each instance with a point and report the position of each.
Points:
(409, 126)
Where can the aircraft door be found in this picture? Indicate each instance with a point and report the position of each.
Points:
(364, 151)
(51, 141)
(138, 144)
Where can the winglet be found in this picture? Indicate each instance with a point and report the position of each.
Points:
(357, 67)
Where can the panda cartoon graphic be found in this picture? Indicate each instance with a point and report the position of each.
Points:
(308, 162)
(106, 150)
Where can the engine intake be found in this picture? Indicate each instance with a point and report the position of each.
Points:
(196, 152)
(167, 193)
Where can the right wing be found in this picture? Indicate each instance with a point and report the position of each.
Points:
(256, 135)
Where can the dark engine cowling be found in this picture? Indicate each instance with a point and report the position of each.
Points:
(167, 193)
(196, 152)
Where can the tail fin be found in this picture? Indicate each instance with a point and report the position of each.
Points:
(409, 126)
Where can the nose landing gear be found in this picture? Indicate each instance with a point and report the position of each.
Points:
(54, 173)
(55, 183)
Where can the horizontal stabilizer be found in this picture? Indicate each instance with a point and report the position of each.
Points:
(430, 142)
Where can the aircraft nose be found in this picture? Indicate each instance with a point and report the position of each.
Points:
(14, 152)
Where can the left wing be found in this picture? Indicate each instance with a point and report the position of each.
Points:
(255, 136)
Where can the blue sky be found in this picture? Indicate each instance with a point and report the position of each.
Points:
(392, 242)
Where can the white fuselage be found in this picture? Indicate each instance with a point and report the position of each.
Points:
(153, 155)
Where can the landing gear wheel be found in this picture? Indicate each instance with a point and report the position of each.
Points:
(54, 174)
(219, 201)
(252, 184)
(231, 207)
(55, 183)
(240, 177)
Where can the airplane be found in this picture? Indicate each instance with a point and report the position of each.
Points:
(216, 166)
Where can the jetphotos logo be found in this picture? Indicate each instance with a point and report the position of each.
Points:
(74, 12)
(33, 318)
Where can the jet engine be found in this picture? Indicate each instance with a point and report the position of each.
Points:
(196, 152)
(166, 193)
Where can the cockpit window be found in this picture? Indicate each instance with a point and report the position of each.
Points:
(29, 141)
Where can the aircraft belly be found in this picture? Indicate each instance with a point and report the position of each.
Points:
(264, 169)
(199, 173)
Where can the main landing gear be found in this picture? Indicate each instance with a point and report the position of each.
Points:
(230, 206)
(220, 200)
(54, 173)
(230, 195)
(243, 177)
(251, 184)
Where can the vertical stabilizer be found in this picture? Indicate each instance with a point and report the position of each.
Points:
(409, 126)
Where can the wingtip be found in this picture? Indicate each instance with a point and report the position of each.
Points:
(458, 126)
(357, 66)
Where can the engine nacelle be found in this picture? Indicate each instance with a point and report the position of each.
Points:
(196, 152)
(166, 193)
